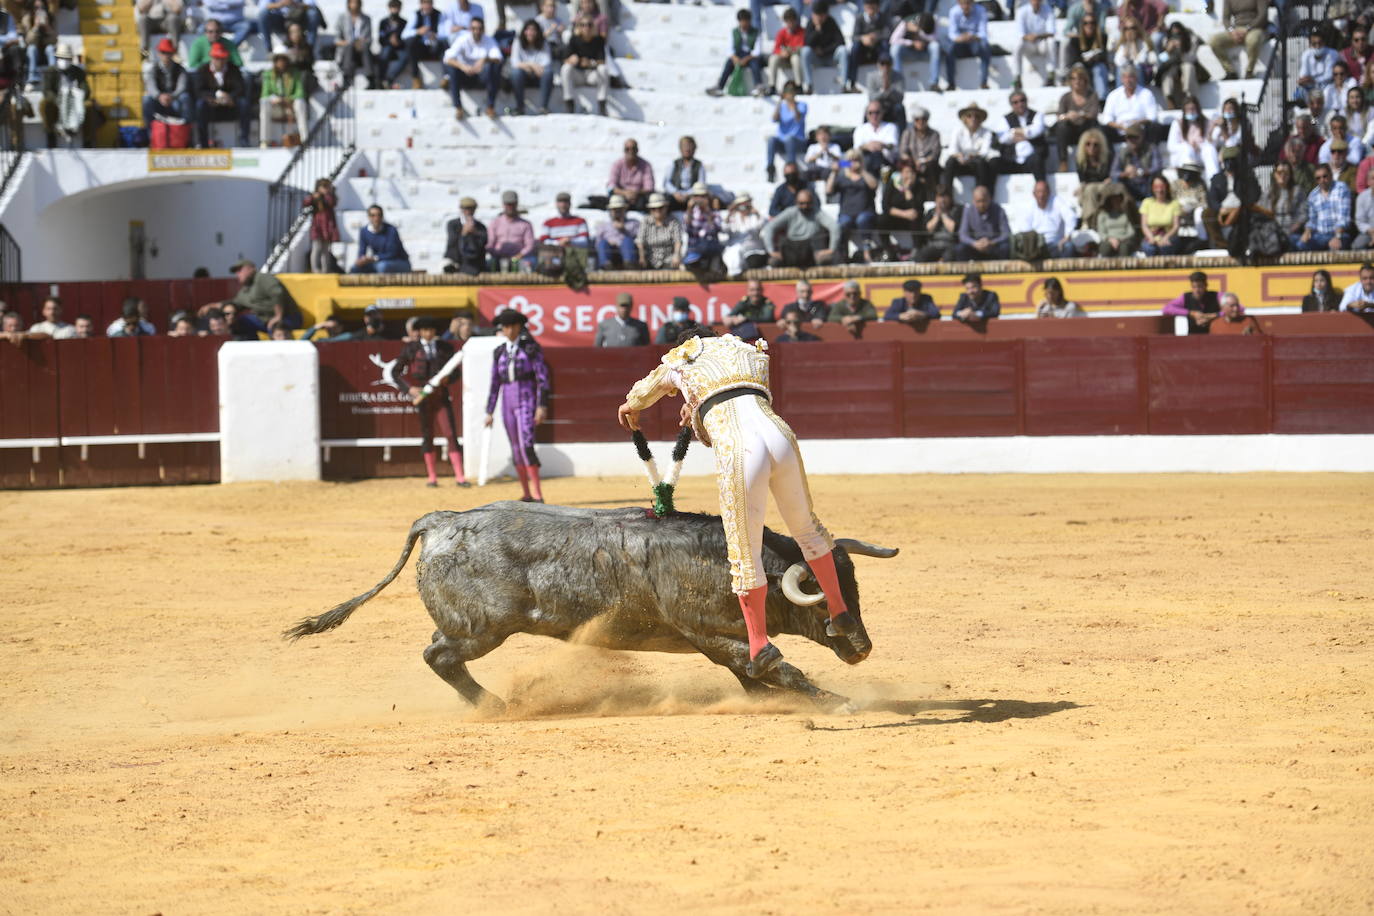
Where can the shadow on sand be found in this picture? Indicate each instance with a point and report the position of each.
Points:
(986, 711)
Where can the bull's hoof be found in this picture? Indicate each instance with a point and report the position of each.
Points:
(761, 665)
(841, 625)
(489, 704)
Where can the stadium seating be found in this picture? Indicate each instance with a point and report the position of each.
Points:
(416, 160)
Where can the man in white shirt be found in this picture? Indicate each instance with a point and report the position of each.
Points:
(52, 323)
(457, 17)
(1050, 221)
(1023, 139)
(1130, 103)
(1036, 24)
(876, 139)
(474, 62)
(1359, 297)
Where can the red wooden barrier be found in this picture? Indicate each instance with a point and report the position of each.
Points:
(1085, 386)
(589, 384)
(1323, 384)
(29, 410)
(75, 389)
(1208, 385)
(961, 389)
(358, 402)
(841, 391)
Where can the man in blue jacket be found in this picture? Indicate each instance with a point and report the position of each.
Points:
(379, 247)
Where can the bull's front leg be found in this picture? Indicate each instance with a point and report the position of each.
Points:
(733, 653)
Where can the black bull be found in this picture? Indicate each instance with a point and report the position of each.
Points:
(613, 577)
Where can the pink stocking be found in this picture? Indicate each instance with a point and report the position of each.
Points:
(754, 606)
(824, 569)
(429, 467)
(524, 478)
(455, 459)
(535, 489)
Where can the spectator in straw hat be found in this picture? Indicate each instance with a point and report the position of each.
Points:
(702, 226)
(743, 245)
(661, 239)
(166, 87)
(972, 150)
(466, 251)
(617, 238)
(66, 100)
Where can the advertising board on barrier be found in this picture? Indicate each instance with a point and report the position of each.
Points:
(563, 317)
(382, 396)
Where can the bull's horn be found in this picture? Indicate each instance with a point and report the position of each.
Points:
(791, 586)
(865, 549)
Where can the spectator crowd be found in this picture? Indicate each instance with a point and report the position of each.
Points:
(263, 308)
(1148, 183)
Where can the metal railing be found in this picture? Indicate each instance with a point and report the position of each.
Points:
(11, 134)
(322, 154)
(1271, 114)
(11, 259)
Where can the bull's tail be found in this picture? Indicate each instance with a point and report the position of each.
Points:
(333, 618)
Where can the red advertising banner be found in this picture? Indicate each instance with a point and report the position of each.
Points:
(562, 317)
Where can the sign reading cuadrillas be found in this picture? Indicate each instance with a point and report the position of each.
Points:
(179, 160)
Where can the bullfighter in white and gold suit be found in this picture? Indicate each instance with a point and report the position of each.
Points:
(725, 383)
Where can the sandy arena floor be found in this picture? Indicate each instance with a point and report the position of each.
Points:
(1089, 694)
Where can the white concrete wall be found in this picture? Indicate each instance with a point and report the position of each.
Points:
(70, 211)
(208, 222)
(1007, 455)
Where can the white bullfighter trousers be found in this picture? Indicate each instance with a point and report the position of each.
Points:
(756, 452)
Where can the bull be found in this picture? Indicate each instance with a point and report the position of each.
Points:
(616, 578)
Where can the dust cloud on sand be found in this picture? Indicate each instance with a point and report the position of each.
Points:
(578, 678)
(1131, 694)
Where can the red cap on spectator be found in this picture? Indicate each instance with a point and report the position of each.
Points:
(166, 46)
(220, 51)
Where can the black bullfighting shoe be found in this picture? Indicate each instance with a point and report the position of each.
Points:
(841, 625)
(760, 665)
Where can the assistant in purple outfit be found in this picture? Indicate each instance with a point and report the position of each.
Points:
(521, 378)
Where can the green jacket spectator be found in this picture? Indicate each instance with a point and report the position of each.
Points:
(199, 54)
